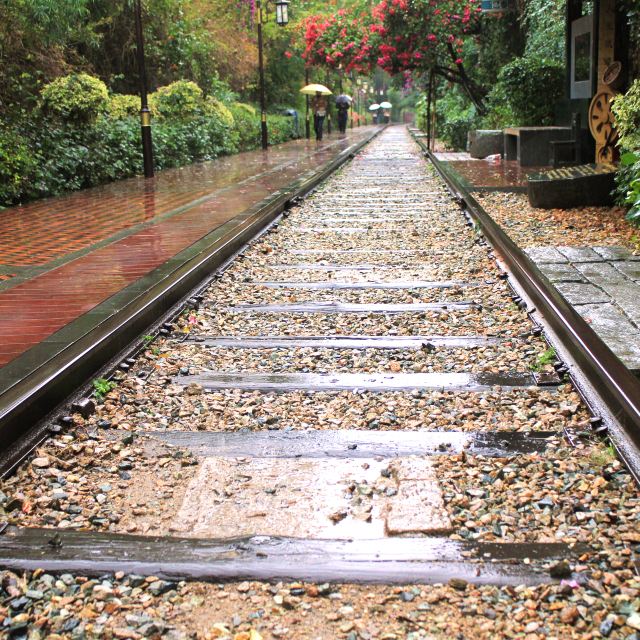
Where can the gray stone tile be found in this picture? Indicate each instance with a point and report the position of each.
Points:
(600, 273)
(629, 269)
(576, 293)
(541, 255)
(626, 296)
(615, 253)
(561, 273)
(580, 254)
(615, 329)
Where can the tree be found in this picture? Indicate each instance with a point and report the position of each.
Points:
(400, 36)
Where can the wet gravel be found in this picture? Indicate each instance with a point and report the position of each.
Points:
(102, 474)
(581, 227)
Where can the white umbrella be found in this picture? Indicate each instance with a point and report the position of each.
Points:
(385, 105)
(374, 107)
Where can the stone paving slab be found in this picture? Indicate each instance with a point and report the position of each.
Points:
(600, 272)
(580, 254)
(629, 269)
(616, 253)
(75, 252)
(561, 273)
(617, 331)
(603, 283)
(582, 293)
(626, 296)
(545, 255)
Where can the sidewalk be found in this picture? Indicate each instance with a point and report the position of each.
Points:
(586, 252)
(61, 257)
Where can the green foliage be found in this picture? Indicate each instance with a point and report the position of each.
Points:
(544, 22)
(50, 156)
(17, 164)
(455, 117)
(626, 109)
(543, 359)
(101, 387)
(122, 105)
(77, 98)
(180, 99)
(246, 108)
(528, 87)
(628, 185)
(214, 107)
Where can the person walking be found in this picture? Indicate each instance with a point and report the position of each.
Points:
(343, 105)
(319, 114)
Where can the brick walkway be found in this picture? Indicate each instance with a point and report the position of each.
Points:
(61, 257)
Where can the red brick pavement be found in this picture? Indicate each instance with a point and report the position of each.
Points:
(40, 232)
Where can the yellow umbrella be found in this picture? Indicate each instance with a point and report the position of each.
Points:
(312, 89)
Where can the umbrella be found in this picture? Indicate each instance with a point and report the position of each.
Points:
(343, 99)
(312, 89)
(374, 107)
(385, 105)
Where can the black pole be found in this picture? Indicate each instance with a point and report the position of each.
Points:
(145, 114)
(308, 121)
(263, 100)
(328, 109)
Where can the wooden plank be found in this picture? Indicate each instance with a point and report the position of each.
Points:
(348, 342)
(343, 307)
(388, 560)
(331, 285)
(283, 382)
(353, 443)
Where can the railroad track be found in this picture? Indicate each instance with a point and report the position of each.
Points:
(360, 397)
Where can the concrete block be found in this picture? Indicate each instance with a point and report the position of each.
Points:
(484, 142)
(577, 293)
(626, 295)
(616, 330)
(541, 255)
(580, 254)
(616, 253)
(600, 272)
(561, 273)
(629, 269)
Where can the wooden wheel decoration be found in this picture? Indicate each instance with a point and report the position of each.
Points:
(601, 125)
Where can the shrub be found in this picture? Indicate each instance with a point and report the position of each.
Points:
(123, 106)
(455, 116)
(215, 108)
(77, 98)
(626, 109)
(529, 87)
(181, 99)
(628, 186)
(17, 166)
(247, 108)
(247, 126)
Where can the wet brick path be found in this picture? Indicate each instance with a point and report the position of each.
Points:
(61, 257)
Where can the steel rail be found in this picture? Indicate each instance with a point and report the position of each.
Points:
(613, 390)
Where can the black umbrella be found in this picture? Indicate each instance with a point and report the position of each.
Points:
(343, 99)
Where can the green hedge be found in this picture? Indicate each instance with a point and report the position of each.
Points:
(50, 154)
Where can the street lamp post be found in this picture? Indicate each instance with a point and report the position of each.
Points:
(145, 114)
(282, 19)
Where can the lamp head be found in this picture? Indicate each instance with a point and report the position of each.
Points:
(282, 12)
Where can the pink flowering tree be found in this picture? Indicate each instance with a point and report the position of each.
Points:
(400, 36)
